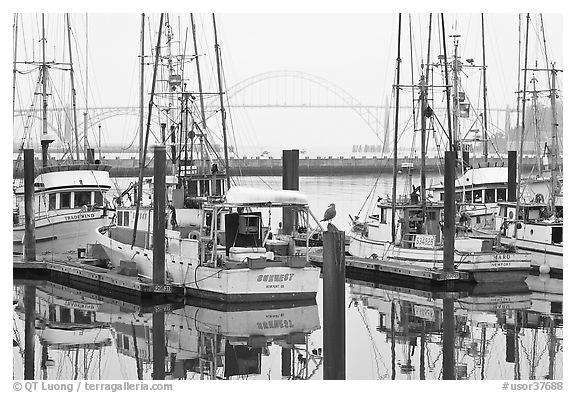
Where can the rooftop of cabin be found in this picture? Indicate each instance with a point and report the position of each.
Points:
(73, 167)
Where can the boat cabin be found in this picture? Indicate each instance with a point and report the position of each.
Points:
(410, 222)
(64, 189)
(478, 185)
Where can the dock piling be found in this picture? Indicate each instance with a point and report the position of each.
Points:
(334, 305)
(511, 176)
(290, 181)
(29, 330)
(159, 231)
(158, 346)
(448, 343)
(449, 210)
(29, 225)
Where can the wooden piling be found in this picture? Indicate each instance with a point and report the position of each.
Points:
(449, 210)
(90, 156)
(286, 362)
(448, 333)
(334, 305)
(29, 330)
(159, 230)
(290, 181)
(158, 346)
(512, 176)
(29, 225)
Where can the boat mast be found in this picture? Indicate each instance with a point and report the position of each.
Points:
(150, 105)
(456, 94)
(221, 95)
(555, 149)
(396, 110)
(484, 92)
(14, 71)
(74, 115)
(201, 95)
(141, 139)
(424, 112)
(523, 127)
(446, 82)
(86, 98)
(536, 125)
(46, 139)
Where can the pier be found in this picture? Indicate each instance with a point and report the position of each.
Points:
(308, 166)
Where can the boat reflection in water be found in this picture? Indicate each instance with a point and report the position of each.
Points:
(514, 335)
(83, 338)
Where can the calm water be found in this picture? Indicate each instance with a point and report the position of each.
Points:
(392, 332)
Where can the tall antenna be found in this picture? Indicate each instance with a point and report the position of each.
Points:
(484, 92)
(398, 61)
(74, 114)
(200, 93)
(46, 139)
(518, 187)
(221, 95)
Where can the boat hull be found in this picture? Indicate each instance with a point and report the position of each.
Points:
(484, 266)
(63, 233)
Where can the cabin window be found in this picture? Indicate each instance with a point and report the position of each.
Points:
(126, 342)
(501, 195)
(98, 198)
(459, 197)
(65, 315)
(432, 216)
(52, 201)
(441, 196)
(468, 196)
(119, 219)
(477, 196)
(490, 195)
(219, 187)
(65, 199)
(126, 219)
(383, 217)
(82, 198)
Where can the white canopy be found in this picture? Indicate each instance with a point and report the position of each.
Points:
(248, 195)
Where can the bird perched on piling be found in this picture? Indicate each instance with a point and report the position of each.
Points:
(330, 213)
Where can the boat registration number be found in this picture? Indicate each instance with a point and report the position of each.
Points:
(424, 241)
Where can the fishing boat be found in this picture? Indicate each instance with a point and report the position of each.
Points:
(229, 257)
(70, 198)
(70, 203)
(217, 243)
(536, 224)
(410, 230)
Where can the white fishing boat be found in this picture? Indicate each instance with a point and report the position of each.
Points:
(229, 256)
(411, 232)
(70, 196)
(535, 230)
(422, 245)
(70, 203)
